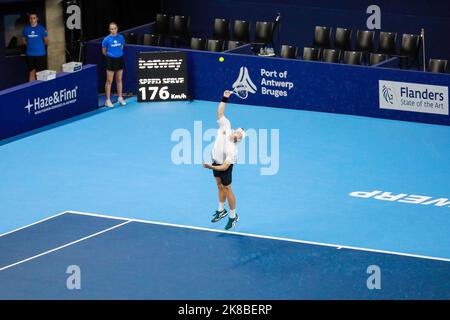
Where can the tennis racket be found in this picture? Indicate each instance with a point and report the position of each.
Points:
(241, 92)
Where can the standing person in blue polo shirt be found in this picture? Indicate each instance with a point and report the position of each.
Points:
(112, 48)
(35, 37)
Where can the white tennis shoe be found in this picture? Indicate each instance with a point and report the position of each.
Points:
(109, 104)
(122, 101)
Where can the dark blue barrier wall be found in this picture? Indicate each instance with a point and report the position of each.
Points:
(34, 105)
(300, 17)
(318, 86)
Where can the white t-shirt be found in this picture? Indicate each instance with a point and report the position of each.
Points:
(224, 149)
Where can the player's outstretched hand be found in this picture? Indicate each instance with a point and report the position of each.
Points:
(207, 166)
(227, 94)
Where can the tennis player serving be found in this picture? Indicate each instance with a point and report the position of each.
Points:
(224, 156)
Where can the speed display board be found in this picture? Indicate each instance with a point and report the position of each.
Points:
(162, 76)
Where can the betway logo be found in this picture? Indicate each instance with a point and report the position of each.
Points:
(58, 99)
(402, 198)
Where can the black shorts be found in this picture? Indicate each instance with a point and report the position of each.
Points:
(38, 63)
(225, 176)
(114, 64)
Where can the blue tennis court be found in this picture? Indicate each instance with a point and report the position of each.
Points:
(346, 193)
(122, 258)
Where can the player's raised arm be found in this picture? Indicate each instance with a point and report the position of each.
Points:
(221, 109)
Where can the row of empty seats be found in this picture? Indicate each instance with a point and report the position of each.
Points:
(331, 55)
(224, 29)
(365, 41)
(240, 30)
(329, 44)
(214, 45)
(195, 43)
(364, 50)
(178, 28)
(174, 28)
(350, 57)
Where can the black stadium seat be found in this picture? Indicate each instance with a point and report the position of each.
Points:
(409, 50)
(365, 41)
(130, 37)
(410, 45)
(388, 43)
(180, 28)
(221, 29)
(322, 37)
(288, 52)
(215, 45)
(151, 40)
(353, 57)
(264, 32)
(310, 54)
(231, 44)
(343, 39)
(162, 25)
(241, 31)
(331, 55)
(376, 58)
(437, 66)
(198, 44)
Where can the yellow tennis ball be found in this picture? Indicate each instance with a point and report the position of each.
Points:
(221, 59)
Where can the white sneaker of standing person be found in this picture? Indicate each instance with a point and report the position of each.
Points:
(109, 104)
(122, 101)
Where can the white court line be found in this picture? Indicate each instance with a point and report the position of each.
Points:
(64, 246)
(339, 247)
(33, 224)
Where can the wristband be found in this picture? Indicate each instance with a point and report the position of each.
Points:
(224, 99)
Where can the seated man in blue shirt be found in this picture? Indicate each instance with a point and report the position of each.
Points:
(35, 37)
